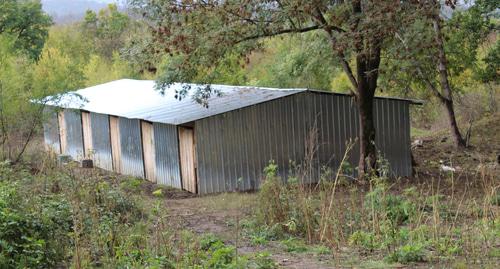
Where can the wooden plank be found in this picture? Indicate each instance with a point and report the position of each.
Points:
(148, 148)
(62, 132)
(187, 157)
(114, 131)
(87, 135)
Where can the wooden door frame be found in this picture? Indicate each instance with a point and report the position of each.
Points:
(87, 134)
(115, 160)
(63, 140)
(195, 172)
(152, 177)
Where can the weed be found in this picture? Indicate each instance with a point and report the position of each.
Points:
(366, 240)
(263, 260)
(294, 245)
(132, 184)
(321, 250)
(157, 193)
(210, 241)
(408, 254)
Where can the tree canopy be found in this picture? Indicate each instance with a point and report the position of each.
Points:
(26, 21)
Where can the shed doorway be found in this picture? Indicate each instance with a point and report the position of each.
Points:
(148, 148)
(62, 132)
(187, 158)
(114, 131)
(87, 135)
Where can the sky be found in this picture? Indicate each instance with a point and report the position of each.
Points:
(67, 11)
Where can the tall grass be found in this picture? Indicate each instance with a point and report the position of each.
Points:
(425, 222)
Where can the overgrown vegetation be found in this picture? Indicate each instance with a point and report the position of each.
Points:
(70, 217)
(402, 225)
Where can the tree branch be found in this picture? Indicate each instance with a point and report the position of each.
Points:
(345, 65)
(281, 32)
(420, 73)
(348, 71)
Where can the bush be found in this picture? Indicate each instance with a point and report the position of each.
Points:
(32, 238)
(273, 191)
(263, 260)
(408, 253)
(364, 239)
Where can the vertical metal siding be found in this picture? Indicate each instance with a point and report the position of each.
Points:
(166, 144)
(234, 147)
(101, 141)
(74, 133)
(131, 147)
(51, 130)
(392, 124)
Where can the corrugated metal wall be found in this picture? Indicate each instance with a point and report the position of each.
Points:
(131, 147)
(167, 155)
(234, 147)
(74, 135)
(393, 134)
(51, 130)
(101, 143)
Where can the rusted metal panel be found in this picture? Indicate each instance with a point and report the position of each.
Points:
(51, 130)
(101, 141)
(74, 134)
(131, 147)
(167, 155)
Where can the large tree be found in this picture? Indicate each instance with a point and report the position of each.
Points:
(200, 33)
(26, 21)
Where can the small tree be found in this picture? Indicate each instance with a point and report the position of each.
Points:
(201, 33)
(435, 48)
(106, 29)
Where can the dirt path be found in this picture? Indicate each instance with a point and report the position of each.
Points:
(218, 215)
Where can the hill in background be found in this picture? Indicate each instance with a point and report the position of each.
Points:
(68, 11)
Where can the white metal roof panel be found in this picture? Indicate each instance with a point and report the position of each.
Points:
(138, 99)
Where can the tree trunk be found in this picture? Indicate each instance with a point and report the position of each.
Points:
(367, 150)
(455, 132)
(367, 74)
(446, 96)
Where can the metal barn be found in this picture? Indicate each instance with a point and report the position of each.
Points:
(128, 127)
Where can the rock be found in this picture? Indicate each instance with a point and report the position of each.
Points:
(63, 159)
(417, 143)
(87, 163)
(446, 168)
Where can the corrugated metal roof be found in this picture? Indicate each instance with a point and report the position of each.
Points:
(138, 99)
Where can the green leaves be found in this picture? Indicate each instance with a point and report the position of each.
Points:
(25, 21)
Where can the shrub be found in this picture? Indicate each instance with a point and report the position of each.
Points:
(364, 239)
(31, 238)
(294, 245)
(263, 260)
(408, 253)
(273, 191)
